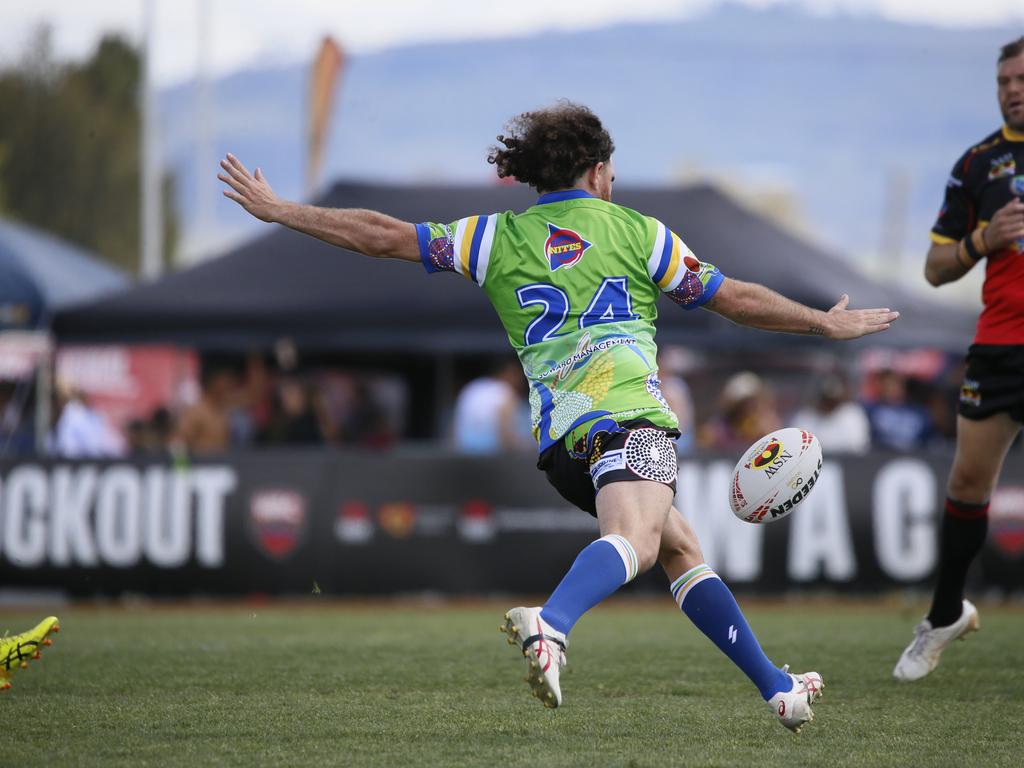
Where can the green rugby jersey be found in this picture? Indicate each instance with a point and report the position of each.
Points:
(574, 280)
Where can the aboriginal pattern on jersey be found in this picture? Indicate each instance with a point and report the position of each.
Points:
(463, 248)
(686, 280)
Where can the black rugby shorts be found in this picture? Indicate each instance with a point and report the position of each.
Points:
(637, 450)
(994, 382)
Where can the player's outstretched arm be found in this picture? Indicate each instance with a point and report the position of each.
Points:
(760, 307)
(368, 232)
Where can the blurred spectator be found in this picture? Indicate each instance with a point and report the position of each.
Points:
(369, 424)
(16, 434)
(136, 434)
(671, 366)
(150, 437)
(205, 426)
(79, 431)
(491, 412)
(944, 399)
(255, 404)
(746, 412)
(161, 427)
(298, 416)
(896, 422)
(840, 424)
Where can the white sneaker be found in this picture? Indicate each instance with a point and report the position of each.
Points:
(793, 708)
(544, 649)
(922, 655)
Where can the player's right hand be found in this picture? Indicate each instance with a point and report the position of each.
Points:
(1006, 227)
(250, 191)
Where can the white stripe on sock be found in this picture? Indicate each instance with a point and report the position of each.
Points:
(681, 587)
(626, 552)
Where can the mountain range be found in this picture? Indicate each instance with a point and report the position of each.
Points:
(849, 114)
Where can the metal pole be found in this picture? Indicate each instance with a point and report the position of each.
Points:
(151, 214)
(204, 138)
(44, 395)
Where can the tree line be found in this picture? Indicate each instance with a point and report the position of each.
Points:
(70, 135)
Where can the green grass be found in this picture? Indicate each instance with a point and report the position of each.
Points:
(394, 685)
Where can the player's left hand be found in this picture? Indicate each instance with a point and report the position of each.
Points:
(251, 191)
(1006, 227)
(853, 323)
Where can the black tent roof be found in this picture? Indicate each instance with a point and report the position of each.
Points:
(286, 284)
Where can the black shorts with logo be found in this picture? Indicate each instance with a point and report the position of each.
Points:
(632, 450)
(994, 382)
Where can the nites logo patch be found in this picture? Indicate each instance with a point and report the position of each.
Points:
(564, 248)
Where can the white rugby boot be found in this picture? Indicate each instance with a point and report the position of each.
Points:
(544, 649)
(793, 707)
(922, 655)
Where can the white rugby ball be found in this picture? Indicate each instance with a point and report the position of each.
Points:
(775, 475)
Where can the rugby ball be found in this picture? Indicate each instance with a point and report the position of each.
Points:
(775, 475)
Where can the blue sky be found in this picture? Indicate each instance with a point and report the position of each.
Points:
(243, 33)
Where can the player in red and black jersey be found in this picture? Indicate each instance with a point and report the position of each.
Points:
(982, 218)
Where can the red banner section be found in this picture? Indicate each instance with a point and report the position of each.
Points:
(130, 382)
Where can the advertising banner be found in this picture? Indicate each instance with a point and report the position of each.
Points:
(295, 522)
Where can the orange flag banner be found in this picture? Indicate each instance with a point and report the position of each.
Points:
(327, 68)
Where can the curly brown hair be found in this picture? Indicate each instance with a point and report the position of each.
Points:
(551, 148)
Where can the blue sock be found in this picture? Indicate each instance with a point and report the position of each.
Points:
(709, 604)
(601, 568)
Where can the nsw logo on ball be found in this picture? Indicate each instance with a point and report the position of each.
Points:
(770, 457)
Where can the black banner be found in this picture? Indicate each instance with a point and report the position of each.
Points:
(364, 524)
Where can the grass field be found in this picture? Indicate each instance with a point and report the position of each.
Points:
(399, 685)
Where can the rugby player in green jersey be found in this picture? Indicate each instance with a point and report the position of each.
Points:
(574, 280)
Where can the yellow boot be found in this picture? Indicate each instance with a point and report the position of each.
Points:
(16, 651)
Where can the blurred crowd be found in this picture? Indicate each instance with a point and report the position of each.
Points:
(250, 403)
(238, 407)
(234, 405)
(880, 407)
(894, 412)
